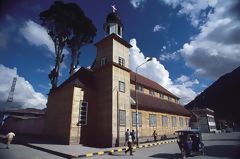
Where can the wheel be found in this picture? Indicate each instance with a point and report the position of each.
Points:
(202, 152)
(183, 153)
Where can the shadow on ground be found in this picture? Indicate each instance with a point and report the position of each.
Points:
(221, 151)
(221, 140)
(167, 155)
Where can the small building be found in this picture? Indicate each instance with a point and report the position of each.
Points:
(28, 121)
(96, 106)
(203, 119)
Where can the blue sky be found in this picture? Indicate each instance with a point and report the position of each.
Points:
(192, 42)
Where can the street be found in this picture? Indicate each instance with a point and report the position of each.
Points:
(23, 152)
(222, 145)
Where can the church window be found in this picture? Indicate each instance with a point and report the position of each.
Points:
(181, 121)
(134, 118)
(161, 95)
(103, 61)
(152, 120)
(119, 30)
(186, 121)
(174, 121)
(151, 92)
(122, 117)
(164, 120)
(121, 86)
(121, 61)
(108, 29)
(139, 88)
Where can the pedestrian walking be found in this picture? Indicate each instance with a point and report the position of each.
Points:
(154, 135)
(133, 136)
(129, 145)
(127, 134)
(9, 137)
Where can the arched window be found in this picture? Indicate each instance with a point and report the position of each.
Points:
(108, 29)
(119, 30)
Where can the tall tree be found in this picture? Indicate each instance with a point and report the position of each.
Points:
(56, 22)
(83, 32)
(67, 23)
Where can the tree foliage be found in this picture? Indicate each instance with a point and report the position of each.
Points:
(67, 24)
(83, 32)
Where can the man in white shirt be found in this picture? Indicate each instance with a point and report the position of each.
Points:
(9, 137)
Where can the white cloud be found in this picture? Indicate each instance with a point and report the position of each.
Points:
(169, 56)
(158, 28)
(155, 71)
(137, 3)
(216, 49)
(24, 95)
(196, 11)
(36, 35)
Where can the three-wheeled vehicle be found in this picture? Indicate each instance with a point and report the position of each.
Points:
(190, 142)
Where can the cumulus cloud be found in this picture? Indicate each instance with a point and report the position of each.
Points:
(137, 3)
(169, 56)
(196, 11)
(24, 95)
(216, 49)
(155, 71)
(36, 35)
(158, 28)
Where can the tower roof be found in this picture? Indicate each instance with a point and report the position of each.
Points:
(113, 17)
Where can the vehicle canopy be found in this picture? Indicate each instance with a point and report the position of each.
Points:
(189, 142)
(191, 131)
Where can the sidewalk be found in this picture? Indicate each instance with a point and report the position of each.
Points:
(78, 151)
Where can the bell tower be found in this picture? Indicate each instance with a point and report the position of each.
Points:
(111, 70)
(113, 23)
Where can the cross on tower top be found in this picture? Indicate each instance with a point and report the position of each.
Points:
(114, 8)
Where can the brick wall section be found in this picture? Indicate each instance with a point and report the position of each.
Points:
(146, 130)
(60, 110)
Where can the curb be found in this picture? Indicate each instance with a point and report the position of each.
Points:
(100, 153)
(68, 156)
(125, 148)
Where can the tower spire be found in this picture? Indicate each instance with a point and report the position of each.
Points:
(113, 23)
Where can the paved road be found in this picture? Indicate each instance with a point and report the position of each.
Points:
(218, 146)
(23, 152)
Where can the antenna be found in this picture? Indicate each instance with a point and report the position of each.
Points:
(10, 96)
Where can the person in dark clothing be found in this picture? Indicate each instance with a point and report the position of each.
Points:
(154, 135)
(127, 134)
(133, 136)
(130, 148)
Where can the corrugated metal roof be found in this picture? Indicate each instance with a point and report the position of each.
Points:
(151, 103)
(150, 84)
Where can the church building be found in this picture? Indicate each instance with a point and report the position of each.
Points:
(96, 106)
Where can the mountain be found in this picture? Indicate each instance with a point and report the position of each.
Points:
(223, 96)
